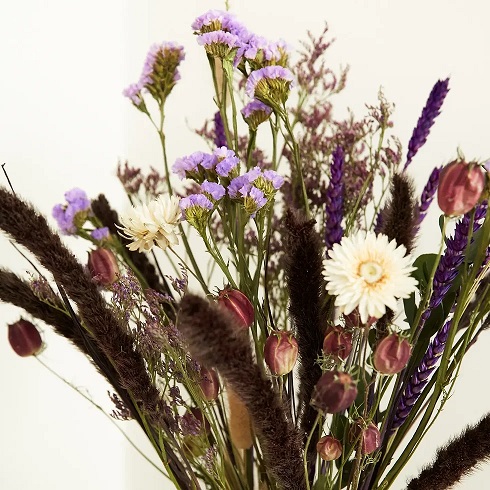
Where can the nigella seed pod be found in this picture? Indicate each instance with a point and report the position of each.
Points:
(24, 338)
(392, 354)
(369, 435)
(238, 304)
(334, 392)
(280, 352)
(337, 342)
(209, 384)
(103, 267)
(329, 448)
(460, 187)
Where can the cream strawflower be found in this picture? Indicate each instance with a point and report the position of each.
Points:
(367, 272)
(153, 224)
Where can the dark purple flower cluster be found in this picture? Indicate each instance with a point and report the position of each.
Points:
(132, 179)
(74, 213)
(219, 131)
(420, 378)
(335, 200)
(431, 110)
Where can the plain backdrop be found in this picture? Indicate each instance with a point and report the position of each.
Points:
(64, 123)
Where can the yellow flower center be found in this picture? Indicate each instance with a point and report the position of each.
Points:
(371, 272)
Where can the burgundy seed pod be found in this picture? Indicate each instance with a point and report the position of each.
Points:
(209, 384)
(281, 352)
(239, 305)
(392, 354)
(24, 338)
(370, 436)
(103, 267)
(334, 392)
(337, 342)
(460, 187)
(329, 448)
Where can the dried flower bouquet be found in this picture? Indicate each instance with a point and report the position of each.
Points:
(327, 339)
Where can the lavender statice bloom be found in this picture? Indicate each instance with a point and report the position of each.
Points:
(216, 20)
(242, 184)
(219, 131)
(254, 106)
(421, 376)
(260, 52)
(453, 257)
(216, 191)
(100, 233)
(335, 200)
(271, 83)
(431, 110)
(428, 194)
(133, 93)
(227, 161)
(190, 163)
(219, 43)
(253, 200)
(65, 214)
(273, 177)
(198, 200)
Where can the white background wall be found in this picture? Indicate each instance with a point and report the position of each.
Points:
(64, 123)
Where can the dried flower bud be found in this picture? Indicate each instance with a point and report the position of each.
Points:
(334, 392)
(460, 187)
(209, 384)
(392, 354)
(238, 304)
(281, 352)
(24, 338)
(329, 448)
(370, 436)
(103, 267)
(337, 342)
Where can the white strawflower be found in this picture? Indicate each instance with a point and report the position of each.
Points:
(153, 224)
(367, 272)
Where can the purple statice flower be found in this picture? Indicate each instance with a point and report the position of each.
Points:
(133, 93)
(219, 43)
(421, 376)
(219, 20)
(272, 176)
(254, 106)
(453, 257)
(261, 52)
(66, 214)
(219, 131)
(267, 73)
(100, 233)
(216, 191)
(253, 200)
(241, 185)
(190, 163)
(428, 194)
(159, 73)
(195, 200)
(335, 200)
(431, 110)
(227, 161)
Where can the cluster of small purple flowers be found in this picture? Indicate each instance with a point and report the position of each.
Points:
(217, 175)
(159, 74)
(223, 36)
(74, 213)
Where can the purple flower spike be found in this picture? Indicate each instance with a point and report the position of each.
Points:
(453, 257)
(431, 110)
(421, 376)
(219, 131)
(428, 194)
(335, 200)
